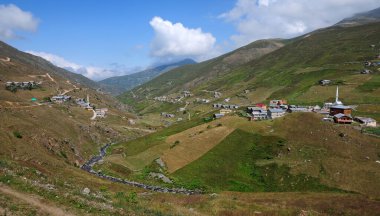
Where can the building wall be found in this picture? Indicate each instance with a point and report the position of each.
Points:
(334, 111)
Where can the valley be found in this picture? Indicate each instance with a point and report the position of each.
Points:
(276, 127)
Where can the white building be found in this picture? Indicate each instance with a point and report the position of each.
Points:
(275, 113)
(368, 122)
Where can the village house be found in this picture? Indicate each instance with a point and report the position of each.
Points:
(227, 100)
(131, 121)
(341, 118)
(277, 103)
(340, 109)
(368, 122)
(181, 109)
(225, 106)
(187, 94)
(366, 71)
(367, 63)
(167, 115)
(275, 113)
(324, 82)
(327, 105)
(60, 98)
(258, 114)
(298, 109)
(13, 86)
(202, 100)
(218, 115)
(225, 111)
(84, 103)
(101, 113)
(217, 94)
(261, 105)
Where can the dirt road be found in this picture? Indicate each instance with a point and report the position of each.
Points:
(34, 201)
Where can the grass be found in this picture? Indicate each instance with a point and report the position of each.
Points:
(232, 165)
(375, 131)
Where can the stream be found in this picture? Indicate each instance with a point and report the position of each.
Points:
(88, 166)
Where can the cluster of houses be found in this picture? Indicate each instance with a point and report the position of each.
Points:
(187, 94)
(225, 106)
(336, 111)
(101, 113)
(28, 85)
(167, 115)
(168, 99)
(202, 100)
(173, 100)
(60, 98)
(84, 103)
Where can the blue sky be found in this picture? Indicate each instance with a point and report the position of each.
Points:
(107, 38)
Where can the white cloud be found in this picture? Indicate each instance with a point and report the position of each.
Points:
(259, 19)
(174, 40)
(13, 19)
(92, 72)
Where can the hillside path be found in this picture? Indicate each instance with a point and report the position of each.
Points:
(140, 129)
(94, 115)
(34, 201)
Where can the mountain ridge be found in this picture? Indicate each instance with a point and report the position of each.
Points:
(361, 18)
(120, 84)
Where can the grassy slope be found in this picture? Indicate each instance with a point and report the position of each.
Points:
(291, 72)
(248, 161)
(234, 167)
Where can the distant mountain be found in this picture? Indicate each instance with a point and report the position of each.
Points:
(120, 84)
(361, 18)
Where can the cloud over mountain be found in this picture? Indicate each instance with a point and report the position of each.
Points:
(94, 73)
(13, 19)
(257, 19)
(174, 40)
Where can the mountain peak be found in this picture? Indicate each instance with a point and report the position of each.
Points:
(361, 18)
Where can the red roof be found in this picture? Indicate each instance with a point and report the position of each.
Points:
(260, 105)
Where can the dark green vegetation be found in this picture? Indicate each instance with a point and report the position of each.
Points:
(234, 167)
(121, 84)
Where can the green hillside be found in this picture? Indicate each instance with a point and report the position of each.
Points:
(190, 76)
(291, 72)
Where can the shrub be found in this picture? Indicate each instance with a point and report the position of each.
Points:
(17, 134)
(175, 143)
(63, 154)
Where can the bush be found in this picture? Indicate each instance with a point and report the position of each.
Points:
(63, 154)
(175, 143)
(17, 134)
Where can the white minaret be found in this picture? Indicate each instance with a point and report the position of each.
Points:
(337, 102)
(88, 99)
